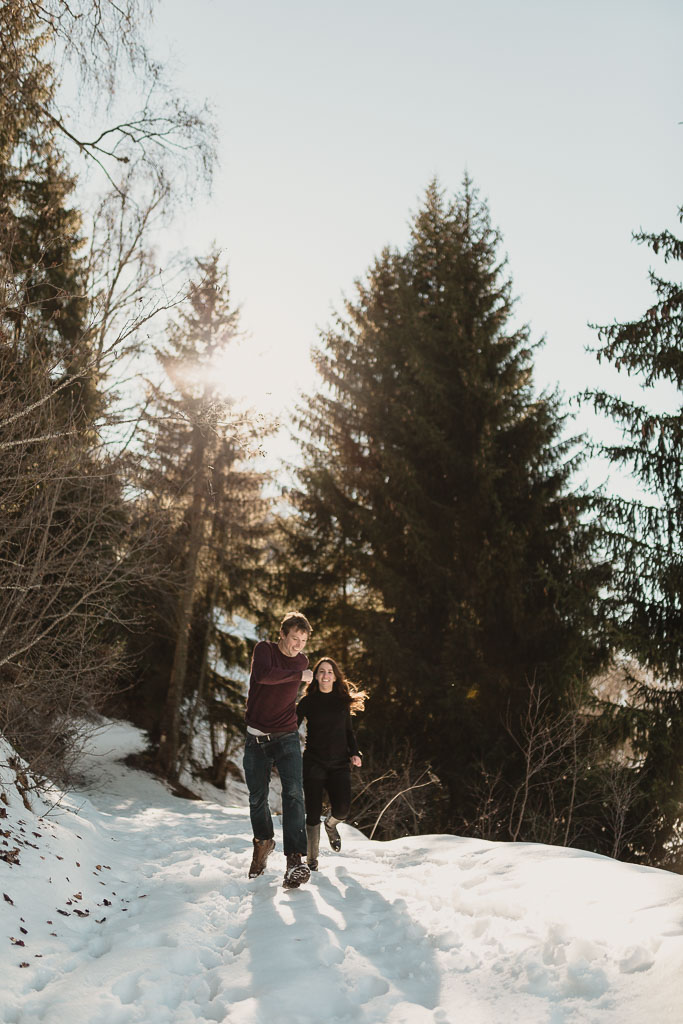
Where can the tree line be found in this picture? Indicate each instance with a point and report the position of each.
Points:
(132, 506)
(520, 634)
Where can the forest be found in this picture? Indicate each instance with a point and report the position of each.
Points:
(520, 634)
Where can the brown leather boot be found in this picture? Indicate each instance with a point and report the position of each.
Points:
(262, 850)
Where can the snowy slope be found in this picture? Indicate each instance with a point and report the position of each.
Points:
(134, 906)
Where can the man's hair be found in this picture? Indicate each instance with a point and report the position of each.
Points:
(295, 620)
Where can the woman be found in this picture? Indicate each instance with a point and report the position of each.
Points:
(327, 705)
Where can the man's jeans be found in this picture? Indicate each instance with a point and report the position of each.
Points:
(259, 757)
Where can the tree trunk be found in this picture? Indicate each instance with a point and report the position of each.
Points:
(167, 758)
(201, 682)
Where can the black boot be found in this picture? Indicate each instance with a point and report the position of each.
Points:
(330, 824)
(297, 872)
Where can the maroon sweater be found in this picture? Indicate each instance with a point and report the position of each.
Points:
(273, 685)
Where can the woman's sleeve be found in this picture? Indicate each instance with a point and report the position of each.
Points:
(351, 738)
(301, 710)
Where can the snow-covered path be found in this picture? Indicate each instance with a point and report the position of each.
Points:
(137, 909)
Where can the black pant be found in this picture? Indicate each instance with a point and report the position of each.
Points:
(336, 780)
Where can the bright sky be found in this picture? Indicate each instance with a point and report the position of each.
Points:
(333, 119)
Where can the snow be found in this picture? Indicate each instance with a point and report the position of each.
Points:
(134, 906)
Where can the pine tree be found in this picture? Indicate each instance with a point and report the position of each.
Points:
(63, 552)
(644, 536)
(43, 269)
(196, 468)
(437, 536)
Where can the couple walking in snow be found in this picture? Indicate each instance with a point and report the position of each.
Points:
(273, 719)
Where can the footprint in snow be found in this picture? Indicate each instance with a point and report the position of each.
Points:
(639, 959)
(127, 989)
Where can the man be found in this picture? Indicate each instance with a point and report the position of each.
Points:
(277, 672)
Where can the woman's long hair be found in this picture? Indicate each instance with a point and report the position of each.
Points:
(342, 686)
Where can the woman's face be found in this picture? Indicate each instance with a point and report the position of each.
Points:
(325, 677)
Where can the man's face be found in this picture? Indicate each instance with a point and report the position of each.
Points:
(293, 643)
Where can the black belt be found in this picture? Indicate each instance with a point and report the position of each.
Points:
(267, 736)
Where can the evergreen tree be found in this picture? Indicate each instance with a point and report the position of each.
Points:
(196, 470)
(438, 541)
(63, 550)
(645, 539)
(43, 270)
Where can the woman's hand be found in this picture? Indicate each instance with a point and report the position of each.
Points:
(356, 761)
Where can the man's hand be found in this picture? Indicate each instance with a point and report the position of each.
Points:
(306, 675)
(356, 761)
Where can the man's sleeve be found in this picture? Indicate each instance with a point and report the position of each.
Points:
(261, 661)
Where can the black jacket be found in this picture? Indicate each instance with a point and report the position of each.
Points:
(330, 739)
